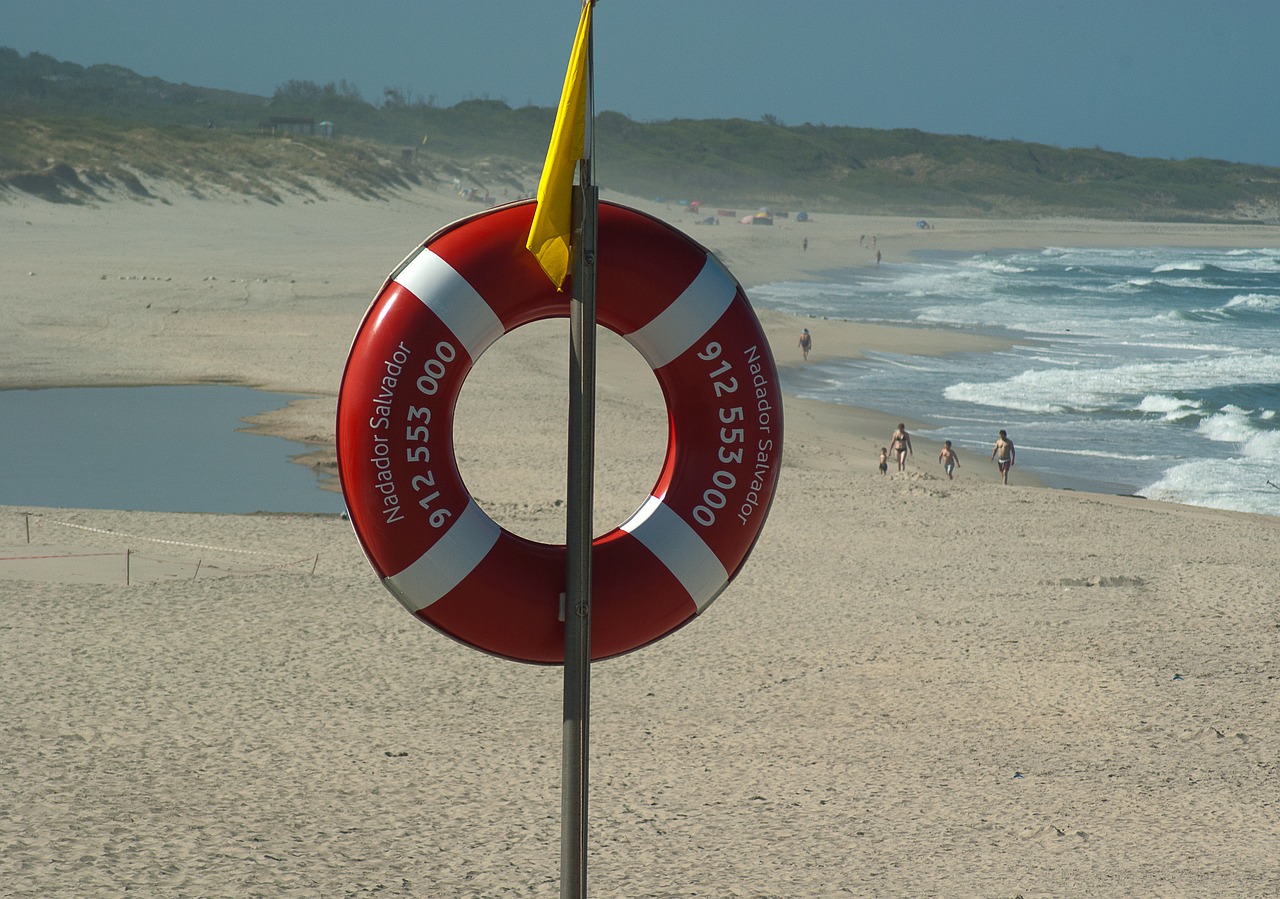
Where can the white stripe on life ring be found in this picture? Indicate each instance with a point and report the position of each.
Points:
(680, 549)
(446, 293)
(680, 325)
(456, 554)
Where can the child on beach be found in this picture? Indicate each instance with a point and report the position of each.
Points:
(884, 460)
(949, 458)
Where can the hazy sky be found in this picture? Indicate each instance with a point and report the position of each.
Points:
(1166, 78)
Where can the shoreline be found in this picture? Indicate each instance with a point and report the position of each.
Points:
(788, 250)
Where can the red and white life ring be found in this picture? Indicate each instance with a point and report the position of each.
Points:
(434, 548)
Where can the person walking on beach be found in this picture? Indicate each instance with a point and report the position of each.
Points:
(949, 458)
(1003, 456)
(884, 460)
(806, 343)
(900, 446)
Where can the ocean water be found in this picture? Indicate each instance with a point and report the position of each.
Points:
(1151, 371)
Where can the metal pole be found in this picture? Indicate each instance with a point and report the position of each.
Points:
(579, 528)
(579, 531)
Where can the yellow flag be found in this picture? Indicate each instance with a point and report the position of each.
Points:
(552, 219)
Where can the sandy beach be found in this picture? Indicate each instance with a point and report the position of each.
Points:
(916, 687)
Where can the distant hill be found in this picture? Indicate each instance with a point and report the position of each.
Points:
(71, 133)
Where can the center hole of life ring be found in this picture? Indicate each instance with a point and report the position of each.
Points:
(511, 430)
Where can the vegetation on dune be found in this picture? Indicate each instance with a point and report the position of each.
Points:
(76, 134)
(75, 160)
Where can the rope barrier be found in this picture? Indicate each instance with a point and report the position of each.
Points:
(198, 565)
(225, 549)
(128, 553)
(202, 564)
(60, 556)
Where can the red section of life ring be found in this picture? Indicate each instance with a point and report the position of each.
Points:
(434, 548)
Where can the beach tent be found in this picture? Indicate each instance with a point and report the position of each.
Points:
(802, 216)
(763, 217)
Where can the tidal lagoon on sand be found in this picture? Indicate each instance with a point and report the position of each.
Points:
(161, 449)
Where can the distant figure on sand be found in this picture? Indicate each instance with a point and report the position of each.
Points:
(1003, 456)
(900, 446)
(949, 458)
(806, 343)
(884, 460)
(877, 257)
